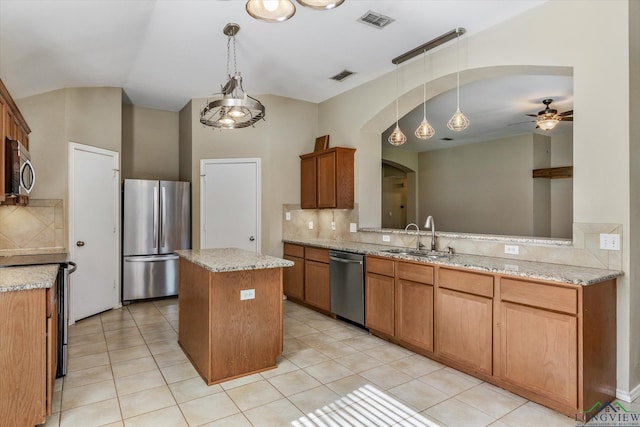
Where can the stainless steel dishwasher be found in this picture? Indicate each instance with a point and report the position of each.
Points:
(346, 271)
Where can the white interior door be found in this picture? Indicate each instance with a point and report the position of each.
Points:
(94, 237)
(230, 204)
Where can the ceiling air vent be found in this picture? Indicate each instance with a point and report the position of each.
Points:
(446, 139)
(375, 19)
(342, 75)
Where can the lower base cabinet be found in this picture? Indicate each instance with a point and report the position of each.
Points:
(317, 289)
(293, 277)
(28, 355)
(553, 343)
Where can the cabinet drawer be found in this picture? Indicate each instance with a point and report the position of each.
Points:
(381, 266)
(294, 250)
(415, 272)
(317, 254)
(539, 295)
(464, 281)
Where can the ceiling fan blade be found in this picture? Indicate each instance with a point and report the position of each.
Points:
(531, 115)
(565, 119)
(566, 113)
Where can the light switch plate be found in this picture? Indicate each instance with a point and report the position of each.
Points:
(333, 225)
(610, 242)
(247, 294)
(353, 227)
(310, 225)
(287, 216)
(386, 238)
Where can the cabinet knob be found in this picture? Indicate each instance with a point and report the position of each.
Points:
(80, 243)
(251, 239)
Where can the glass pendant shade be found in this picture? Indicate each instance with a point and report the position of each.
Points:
(547, 124)
(458, 122)
(271, 10)
(397, 137)
(425, 130)
(321, 4)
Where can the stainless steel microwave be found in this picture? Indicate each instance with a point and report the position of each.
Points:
(20, 175)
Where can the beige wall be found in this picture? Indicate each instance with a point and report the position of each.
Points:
(358, 117)
(289, 130)
(90, 116)
(149, 143)
(561, 189)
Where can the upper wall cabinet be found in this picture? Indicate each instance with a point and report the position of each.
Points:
(12, 126)
(327, 179)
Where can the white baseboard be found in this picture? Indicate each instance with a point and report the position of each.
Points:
(628, 396)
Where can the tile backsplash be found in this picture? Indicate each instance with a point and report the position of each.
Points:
(38, 227)
(584, 250)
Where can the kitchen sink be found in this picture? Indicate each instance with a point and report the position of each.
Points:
(418, 253)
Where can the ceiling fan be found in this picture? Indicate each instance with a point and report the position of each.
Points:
(548, 118)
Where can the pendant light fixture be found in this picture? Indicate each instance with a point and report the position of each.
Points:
(397, 137)
(234, 109)
(459, 121)
(321, 4)
(425, 130)
(271, 10)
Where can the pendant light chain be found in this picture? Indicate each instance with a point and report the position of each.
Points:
(458, 121)
(397, 96)
(458, 75)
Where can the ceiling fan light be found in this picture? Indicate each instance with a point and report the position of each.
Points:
(271, 10)
(237, 112)
(547, 123)
(397, 137)
(321, 4)
(425, 130)
(458, 121)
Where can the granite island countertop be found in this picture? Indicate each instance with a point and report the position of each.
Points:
(27, 277)
(231, 259)
(512, 267)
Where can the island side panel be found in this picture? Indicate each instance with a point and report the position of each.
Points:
(194, 318)
(246, 335)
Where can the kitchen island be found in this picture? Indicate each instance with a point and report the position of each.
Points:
(230, 311)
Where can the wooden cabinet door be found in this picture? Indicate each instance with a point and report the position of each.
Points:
(379, 303)
(539, 351)
(293, 278)
(327, 180)
(414, 313)
(308, 183)
(316, 284)
(464, 329)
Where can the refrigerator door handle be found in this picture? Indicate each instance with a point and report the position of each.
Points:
(151, 258)
(155, 218)
(163, 229)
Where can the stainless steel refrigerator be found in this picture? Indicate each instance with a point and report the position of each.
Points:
(156, 222)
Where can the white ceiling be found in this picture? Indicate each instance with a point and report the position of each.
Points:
(165, 52)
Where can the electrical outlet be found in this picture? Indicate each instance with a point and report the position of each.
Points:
(386, 238)
(610, 242)
(310, 225)
(511, 249)
(287, 216)
(353, 227)
(247, 294)
(333, 225)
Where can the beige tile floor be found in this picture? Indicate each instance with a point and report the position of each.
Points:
(126, 369)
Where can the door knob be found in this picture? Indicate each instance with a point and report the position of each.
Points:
(252, 238)
(80, 243)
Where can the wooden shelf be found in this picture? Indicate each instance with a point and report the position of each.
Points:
(554, 173)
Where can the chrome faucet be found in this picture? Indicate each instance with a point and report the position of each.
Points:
(418, 243)
(432, 225)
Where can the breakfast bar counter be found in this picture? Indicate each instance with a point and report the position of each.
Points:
(230, 311)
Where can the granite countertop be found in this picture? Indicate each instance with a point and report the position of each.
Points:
(527, 269)
(231, 259)
(27, 277)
